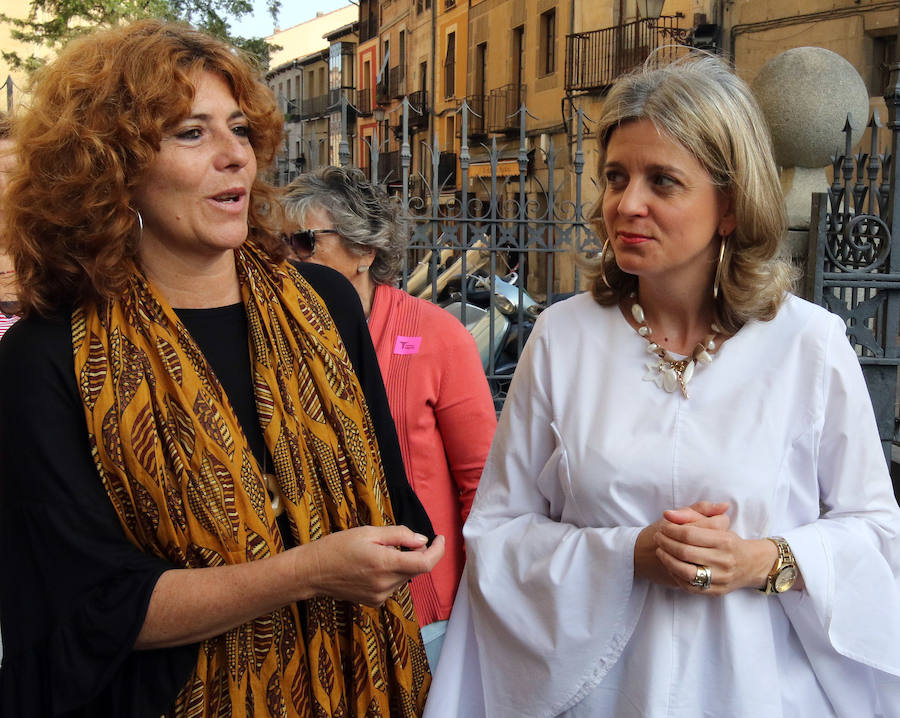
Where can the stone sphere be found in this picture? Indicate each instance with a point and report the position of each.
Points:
(805, 94)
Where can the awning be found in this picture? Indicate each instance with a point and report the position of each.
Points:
(505, 168)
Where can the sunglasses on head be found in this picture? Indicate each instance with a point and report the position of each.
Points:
(304, 240)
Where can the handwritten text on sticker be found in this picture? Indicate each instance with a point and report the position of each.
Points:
(407, 345)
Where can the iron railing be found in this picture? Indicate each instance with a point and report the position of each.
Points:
(383, 90)
(419, 109)
(595, 59)
(468, 214)
(397, 79)
(503, 108)
(853, 264)
(364, 102)
(368, 28)
(314, 106)
(389, 167)
(477, 118)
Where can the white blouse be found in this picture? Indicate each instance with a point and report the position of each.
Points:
(550, 619)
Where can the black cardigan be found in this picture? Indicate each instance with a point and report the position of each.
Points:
(74, 591)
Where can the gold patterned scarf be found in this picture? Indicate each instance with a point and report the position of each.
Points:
(186, 487)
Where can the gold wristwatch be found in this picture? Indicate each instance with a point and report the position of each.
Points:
(784, 572)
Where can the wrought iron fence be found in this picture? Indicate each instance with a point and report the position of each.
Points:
(854, 262)
(479, 217)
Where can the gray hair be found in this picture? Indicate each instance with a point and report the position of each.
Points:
(698, 102)
(363, 214)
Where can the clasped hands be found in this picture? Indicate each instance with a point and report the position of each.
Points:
(669, 551)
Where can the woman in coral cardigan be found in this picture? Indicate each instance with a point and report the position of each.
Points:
(437, 390)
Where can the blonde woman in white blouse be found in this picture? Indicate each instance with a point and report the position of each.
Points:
(647, 537)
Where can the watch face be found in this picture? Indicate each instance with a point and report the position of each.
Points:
(785, 579)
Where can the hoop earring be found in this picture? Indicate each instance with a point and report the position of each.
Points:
(718, 278)
(140, 223)
(603, 264)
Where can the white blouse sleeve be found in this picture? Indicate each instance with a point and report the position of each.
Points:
(850, 557)
(556, 596)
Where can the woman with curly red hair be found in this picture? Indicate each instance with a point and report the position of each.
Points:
(202, 491)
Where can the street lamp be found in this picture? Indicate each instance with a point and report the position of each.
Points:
(650, 8)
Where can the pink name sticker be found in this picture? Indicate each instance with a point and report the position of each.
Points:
(407, 345)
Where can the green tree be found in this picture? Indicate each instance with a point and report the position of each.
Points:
(52, 23)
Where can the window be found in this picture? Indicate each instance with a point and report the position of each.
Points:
(402, 47)
(450, 67)
(518, 54)
(480, 69)
(423, 76)
(547, 57)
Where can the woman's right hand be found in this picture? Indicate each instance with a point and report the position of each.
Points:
(647, 565)
(364, 564)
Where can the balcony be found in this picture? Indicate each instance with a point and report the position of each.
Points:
(389, 167)
(397, 80)
(418, 110)
(477, 120)
(595, 59)
(334, 101)
(383, 90)
(503, 107)
(364, 102)
(314, 107)
(368, 28)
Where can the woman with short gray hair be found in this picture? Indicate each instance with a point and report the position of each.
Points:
(437, 389)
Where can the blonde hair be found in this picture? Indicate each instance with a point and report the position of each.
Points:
(698, 102)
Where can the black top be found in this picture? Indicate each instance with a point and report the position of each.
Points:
(73, 590)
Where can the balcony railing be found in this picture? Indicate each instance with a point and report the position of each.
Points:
(502, 110)
(383, 90)
(368, 28)
(364, 101)
(595, 59)
(397, 79)
(418, 109)
(477, 126)
(314, 106)
(389, 167)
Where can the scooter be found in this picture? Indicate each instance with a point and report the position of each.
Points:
(500, 316)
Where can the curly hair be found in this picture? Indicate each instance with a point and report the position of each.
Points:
(702, 105)
(5, 126)
(364, 215)
(94, 126)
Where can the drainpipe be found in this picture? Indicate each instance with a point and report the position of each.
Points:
(433, 70)
(568, 94)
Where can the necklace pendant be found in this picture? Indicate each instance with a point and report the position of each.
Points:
(274, 494)
(670, 379)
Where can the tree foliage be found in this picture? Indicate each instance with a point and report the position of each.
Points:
(52, 23)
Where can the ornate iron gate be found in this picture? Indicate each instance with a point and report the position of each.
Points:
(854, 260)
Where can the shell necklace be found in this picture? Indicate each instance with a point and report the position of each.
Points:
(668, 372)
